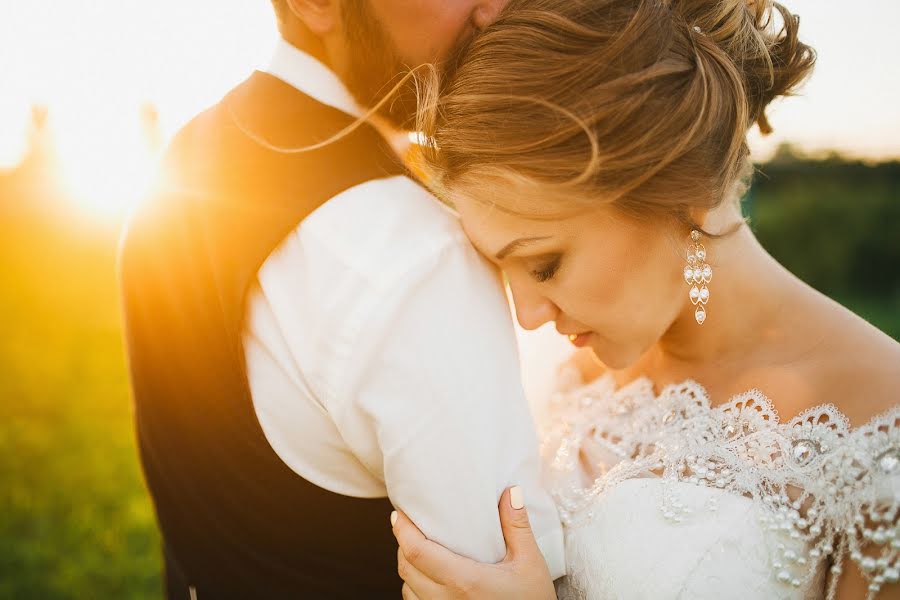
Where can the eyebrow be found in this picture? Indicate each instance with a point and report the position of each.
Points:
(516, 245)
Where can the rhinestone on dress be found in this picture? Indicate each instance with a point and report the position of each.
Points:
(803, 451)
(889, 460)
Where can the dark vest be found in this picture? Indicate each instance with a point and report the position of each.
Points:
(236, 521)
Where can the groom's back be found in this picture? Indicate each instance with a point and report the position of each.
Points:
(236, 521)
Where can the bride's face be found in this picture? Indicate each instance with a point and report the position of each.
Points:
(616, 282)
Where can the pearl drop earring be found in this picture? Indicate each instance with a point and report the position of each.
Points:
(697, 273)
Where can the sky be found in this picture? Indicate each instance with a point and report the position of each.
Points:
(852, 101)
(95, 63)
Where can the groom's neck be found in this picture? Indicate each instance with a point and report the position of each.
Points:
(299, 36)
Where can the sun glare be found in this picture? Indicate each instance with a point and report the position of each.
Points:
(14, 125)
(107, 160)
(96, 68)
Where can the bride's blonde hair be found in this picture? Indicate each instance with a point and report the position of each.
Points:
(645, 103)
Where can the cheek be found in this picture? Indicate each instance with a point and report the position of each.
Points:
(624, 284)
(608, 273)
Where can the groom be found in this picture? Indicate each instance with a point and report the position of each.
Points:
(312, 340)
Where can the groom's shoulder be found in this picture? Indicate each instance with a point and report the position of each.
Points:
(389, 223)
(402, 206)
(378, 248)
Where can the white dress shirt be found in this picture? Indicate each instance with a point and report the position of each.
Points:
(382, 358)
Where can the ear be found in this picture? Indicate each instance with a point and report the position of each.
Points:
(320, 16)
(486, 12)
(700, 216)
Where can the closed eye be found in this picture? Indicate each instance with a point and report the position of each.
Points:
(546, 272)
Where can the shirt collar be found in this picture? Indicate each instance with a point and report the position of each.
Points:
(303, 72)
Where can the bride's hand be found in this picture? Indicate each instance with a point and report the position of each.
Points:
(431, 571)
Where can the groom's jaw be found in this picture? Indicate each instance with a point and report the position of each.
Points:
(372, 45)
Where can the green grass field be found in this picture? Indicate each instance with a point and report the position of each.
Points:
(75, 519)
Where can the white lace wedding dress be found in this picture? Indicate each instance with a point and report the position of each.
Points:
(664, 496)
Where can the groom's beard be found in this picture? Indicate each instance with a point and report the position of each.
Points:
(376, 66)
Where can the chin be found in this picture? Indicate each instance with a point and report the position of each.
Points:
(615, 357)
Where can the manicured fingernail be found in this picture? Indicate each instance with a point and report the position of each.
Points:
(393, 518)
(516, 497)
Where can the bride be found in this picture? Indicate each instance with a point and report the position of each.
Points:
(734, 433)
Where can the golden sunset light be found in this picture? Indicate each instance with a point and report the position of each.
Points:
(107, 160)
(102, 68)
(260, 340)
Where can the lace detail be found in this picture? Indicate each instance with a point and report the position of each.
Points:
(824, 491)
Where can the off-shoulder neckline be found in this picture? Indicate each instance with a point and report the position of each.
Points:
(645, 386)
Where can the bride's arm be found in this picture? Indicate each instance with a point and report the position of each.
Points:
(431, 571)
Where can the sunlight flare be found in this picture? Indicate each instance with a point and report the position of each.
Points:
(107, 160)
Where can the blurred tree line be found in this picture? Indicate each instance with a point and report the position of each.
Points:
(836, 224)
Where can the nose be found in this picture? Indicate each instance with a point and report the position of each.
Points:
(486, 12)
(533, 309)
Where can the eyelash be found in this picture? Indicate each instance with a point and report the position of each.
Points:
(547, 272)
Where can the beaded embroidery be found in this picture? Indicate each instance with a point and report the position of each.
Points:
(834, 488)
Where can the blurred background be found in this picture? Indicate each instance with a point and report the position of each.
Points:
(90, 92)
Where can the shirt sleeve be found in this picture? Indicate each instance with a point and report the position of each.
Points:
(437, 406)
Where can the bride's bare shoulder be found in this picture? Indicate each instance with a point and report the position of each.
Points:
(858, 370)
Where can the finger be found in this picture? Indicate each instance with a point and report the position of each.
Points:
(408, 594)
(514, 522)
(417, 582)
(431, 559)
